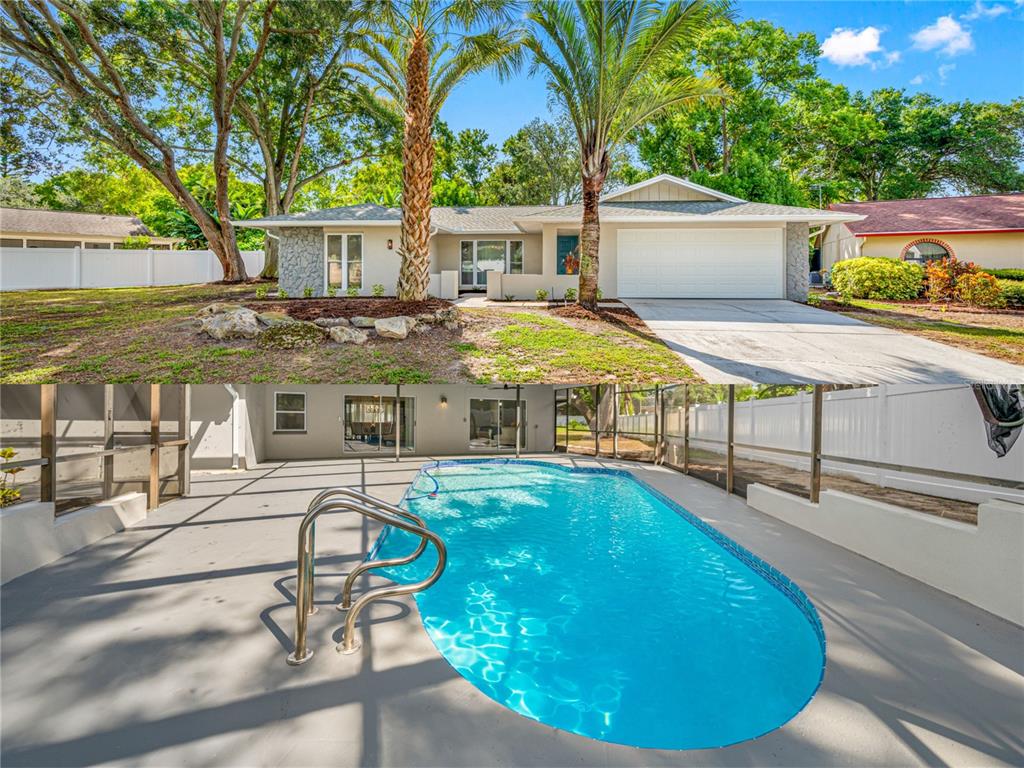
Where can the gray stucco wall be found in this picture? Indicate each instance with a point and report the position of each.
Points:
(797, 264)
(301, 260)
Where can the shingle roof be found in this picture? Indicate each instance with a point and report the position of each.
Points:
(39, 221)
(681, 208)
(504, 218)
(937, 214)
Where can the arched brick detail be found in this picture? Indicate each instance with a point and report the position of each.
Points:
(934, 240)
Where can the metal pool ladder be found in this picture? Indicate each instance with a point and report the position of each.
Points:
(350, 500)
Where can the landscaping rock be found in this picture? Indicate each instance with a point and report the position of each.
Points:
(238, 323)
(363, 322)
(294, 335)
(423, 327)
(426, 318)
(217, 308)
(394, 327)
(330, 322)
(344, 334)
(275, 317)
(447, 316)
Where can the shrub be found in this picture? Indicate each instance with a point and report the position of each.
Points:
(307, 292)
(1007, 274)
(943, 275)
(291, 336)
(352, 292)
(377, 290)
(139, 242)
(282, 293)
(877, 278)
(1012, 292)
(570, 294)
(542, 295)
(262, 291)
(332, 291)
(979, 289)
(510, 297)
(8, 495)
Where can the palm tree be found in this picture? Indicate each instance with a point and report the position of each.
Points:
(599, 56)
(415, 56)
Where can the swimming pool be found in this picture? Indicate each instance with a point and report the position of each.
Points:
(586, 600)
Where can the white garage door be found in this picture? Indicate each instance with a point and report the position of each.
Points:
(701, 263)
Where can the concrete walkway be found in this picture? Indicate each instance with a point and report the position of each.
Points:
(781, 342)
(165, 645)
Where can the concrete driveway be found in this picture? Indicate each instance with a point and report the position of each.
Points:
(772, 341)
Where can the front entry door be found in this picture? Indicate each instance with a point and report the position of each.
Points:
(478, 258)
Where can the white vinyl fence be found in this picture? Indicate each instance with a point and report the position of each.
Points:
(931, 427)
(34, 268)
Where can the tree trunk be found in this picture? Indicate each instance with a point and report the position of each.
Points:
(270, 251)
(417, 175)
(590, 241)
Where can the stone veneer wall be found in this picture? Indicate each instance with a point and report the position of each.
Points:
(797, 264)
(301, 260)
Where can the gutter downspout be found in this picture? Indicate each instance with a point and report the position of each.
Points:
(234, 424)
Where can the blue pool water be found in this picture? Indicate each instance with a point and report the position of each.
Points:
(589, 602)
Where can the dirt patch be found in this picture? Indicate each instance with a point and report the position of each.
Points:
(620, 315)
(311, 309)
(1006, 318)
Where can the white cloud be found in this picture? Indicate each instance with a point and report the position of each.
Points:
(946, 34)
(944, 71)
(892, 57)
(847, 47)
(917, 79)
(982, 11)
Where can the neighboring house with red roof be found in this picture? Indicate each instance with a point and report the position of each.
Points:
(985, 229)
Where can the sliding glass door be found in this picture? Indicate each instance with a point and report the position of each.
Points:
(370, 423)
(492, 425)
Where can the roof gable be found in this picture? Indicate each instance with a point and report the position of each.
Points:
(668, 188)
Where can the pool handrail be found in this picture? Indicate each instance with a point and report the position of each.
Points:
(305, 576)
(366, 565)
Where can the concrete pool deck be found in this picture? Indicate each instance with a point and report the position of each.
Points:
(166, 644)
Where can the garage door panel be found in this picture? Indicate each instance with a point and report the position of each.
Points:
(706, 263)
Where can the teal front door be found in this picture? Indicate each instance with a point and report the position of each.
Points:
(567, 250)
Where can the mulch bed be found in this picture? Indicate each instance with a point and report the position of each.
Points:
(620, 315)
(311, 309)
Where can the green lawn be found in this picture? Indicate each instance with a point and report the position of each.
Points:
(996, 334)
(147, 334)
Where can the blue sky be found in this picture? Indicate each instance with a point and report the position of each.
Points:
(954, 49)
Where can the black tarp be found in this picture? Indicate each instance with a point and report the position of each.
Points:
(1002, 407)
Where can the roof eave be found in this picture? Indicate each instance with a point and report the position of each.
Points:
(810, 219)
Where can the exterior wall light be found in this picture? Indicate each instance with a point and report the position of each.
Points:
(444, 401)
(391, 244)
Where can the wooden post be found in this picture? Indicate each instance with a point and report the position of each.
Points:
(816, 419)
(108, 440)
(729, 458)
(686, 429)
(185, 433)
(48, 442)
(154, 446)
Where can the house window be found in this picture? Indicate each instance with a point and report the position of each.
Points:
(478, 257)
(345, 261)
(104, 246)
(568, 253)
(923, 251)
(289, 411)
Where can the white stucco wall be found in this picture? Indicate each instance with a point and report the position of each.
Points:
(982, 564)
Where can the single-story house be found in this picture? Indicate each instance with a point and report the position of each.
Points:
(39, 228)
(985, 229)
(664, 237)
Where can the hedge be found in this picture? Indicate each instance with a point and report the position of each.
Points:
(1007, 274)
(1013, 291)
(878, 278)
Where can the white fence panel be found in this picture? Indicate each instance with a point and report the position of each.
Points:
(934, 427)
(40, 268)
